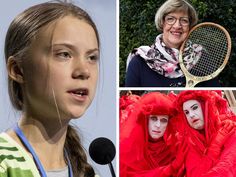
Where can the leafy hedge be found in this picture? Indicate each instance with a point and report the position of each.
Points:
(137, 28)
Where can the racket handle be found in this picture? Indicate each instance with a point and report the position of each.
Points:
(190, 83)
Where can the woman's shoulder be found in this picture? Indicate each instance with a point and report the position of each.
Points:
(5, 139)
(136, 60)
(9, 139)
(14, 159)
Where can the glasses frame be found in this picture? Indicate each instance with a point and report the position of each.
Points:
(179, 19)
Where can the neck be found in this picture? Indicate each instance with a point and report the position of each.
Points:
(46, 138)
(202, 132)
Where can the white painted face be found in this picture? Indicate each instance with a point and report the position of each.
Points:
(193, 112)
(157, 125)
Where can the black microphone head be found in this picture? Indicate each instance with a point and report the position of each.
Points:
(102, 150)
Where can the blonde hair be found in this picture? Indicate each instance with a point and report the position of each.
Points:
(20, 35)
(174, 6)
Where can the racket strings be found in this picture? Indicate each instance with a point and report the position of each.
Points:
(208, 51)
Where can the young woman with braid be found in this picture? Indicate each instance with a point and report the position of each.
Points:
(52, 58)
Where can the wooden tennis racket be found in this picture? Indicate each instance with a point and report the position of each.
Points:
(205, 52)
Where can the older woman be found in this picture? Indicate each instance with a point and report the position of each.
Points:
(145, 147)
(157, 65)
(209, 127)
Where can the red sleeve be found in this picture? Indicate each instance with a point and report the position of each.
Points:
(203, 166)
(226, 165)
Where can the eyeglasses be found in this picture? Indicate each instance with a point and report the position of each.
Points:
(170, 20)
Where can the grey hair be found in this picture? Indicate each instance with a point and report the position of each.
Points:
(174, 6)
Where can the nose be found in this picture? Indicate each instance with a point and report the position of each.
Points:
(191, 114)
(81, 70)
(158, 123)
(177, 23)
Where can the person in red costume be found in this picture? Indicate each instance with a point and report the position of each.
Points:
(145, 148)
(206, 122)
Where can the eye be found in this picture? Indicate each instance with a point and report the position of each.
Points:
(164, 120)
(93, 58)
(186, 112)
(153, 118)
(184, 21)
(170, 19)
(64, 55)
(195, 107)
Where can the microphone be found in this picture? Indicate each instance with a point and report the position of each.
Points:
(103, 151)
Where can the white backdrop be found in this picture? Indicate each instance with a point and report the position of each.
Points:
(100, 119)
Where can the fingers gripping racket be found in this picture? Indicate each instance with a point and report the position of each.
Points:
(205, 52)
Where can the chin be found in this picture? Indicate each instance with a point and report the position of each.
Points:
(200, 127)
(76, 111)
(76, 115)
(174, 43)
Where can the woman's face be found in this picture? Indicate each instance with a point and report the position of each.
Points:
(193, 112)
(62, 70)
(175, 29)
(157, 125)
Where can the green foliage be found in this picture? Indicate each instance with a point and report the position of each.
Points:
(137, 28)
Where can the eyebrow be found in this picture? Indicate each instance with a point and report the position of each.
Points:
(176, 17)
(193, 105)
(164, 118)
(74, 48)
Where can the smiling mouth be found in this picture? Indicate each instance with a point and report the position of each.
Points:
(175, 33)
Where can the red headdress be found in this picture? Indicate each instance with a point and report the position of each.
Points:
(127, 104)
(136, 152)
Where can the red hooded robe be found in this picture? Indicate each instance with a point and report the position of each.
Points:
(198, 162)
(138, 156)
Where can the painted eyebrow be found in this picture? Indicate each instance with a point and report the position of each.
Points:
(191, 106)
(74, 48)
(194, 105)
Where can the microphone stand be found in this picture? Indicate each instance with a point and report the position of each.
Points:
(112, 170)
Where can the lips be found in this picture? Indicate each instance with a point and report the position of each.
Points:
(79, 94)
(158, 131)
(195, 120)
(176, 33)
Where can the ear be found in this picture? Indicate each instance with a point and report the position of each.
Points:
(15, 71)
